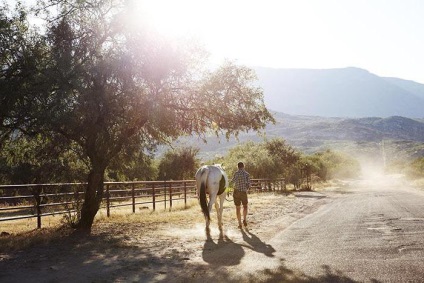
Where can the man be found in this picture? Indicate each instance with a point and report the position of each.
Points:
(241, 181)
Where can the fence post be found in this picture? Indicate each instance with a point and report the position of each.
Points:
(133, 197)
(76, 204)
(154, 196)
(107, 201)
(37, 198)
(164, 192)
(170, 196)
(185, 194)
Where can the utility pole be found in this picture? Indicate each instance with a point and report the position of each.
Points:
(383, 153)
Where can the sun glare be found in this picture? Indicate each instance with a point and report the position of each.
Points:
(172, 18)
(251, 32)
(254, 33)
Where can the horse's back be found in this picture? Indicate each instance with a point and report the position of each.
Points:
(202, 173)
(214, 173)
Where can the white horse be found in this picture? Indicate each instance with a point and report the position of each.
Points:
(211, 179)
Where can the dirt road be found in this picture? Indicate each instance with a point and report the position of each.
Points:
(375, 233)
(367, 231)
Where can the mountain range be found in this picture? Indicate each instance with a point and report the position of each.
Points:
(370, 129)
(401, 137)
(349, 109)
(346, 92)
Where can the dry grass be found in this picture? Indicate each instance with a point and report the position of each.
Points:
(124, 215)
(328, 185)
(34, 237)
(26, 225)
(22, 233)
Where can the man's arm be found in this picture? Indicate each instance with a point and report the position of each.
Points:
(233, 179)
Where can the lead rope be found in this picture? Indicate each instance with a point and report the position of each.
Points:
(229, 195)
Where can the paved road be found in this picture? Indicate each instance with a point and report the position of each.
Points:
(372, 233)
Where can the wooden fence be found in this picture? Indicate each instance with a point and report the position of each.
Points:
(38, 200)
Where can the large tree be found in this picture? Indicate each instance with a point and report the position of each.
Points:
(109, 83)
(20, 50)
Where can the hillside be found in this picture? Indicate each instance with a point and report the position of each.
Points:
(402, 137)
(361, 129)
(347, 92)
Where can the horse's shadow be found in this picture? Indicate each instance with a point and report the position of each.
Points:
(256, 244)
(225, 252)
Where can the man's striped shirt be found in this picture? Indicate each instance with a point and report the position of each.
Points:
(241, 180)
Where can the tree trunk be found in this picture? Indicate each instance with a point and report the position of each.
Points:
(92, 200)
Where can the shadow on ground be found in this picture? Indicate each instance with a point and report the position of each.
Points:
(308, 195)
(105, 258)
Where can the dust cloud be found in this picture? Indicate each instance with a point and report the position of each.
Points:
(374, 173)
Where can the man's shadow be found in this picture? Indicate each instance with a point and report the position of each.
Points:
(226, 253)
(222, 253)
(256, 244)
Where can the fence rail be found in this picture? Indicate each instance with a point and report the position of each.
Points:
(38, 200)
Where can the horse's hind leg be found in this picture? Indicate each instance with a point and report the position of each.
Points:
(218, 213)
(212, 200)
(220, 209)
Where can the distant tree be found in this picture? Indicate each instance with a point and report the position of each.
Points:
(245, 152)
(105, 84)
(317, 165)
(269, 159)
(179, 164)
(283, 155)
(294, 175)
(132, 166)
(415, 169)
(331, 164)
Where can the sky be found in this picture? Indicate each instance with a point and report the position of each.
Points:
(385, 37)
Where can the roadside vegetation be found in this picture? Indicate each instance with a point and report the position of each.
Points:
(413, 170)
(27, 163)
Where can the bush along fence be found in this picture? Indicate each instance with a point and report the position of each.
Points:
(39, 200)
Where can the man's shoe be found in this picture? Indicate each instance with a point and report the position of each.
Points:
(244, 223)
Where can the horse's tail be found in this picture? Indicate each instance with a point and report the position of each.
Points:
(202, 194)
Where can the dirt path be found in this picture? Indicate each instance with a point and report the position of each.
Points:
(175, 250)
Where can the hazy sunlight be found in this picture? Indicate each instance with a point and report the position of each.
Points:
(250, 31)
(379, 36)
(299, 34)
